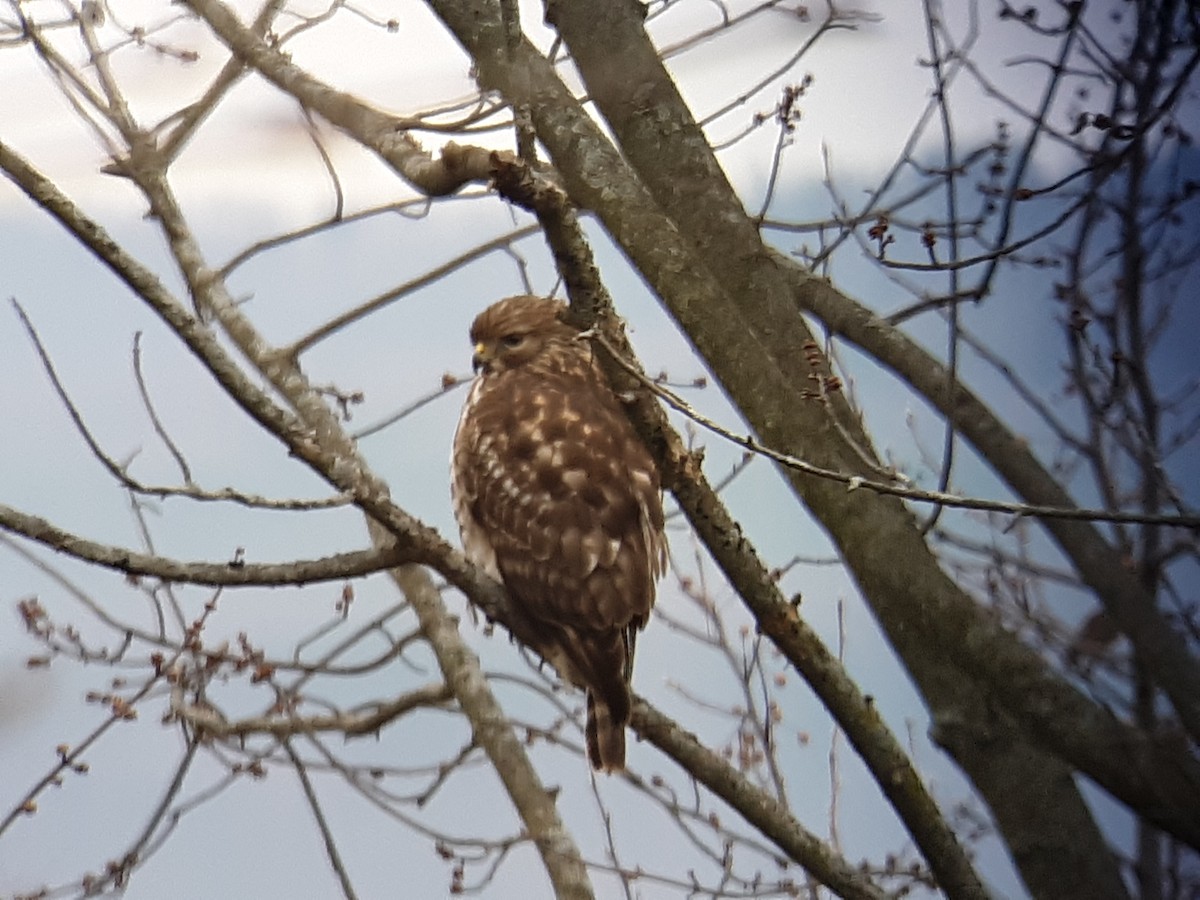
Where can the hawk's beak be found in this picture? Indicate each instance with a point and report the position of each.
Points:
(482, 357)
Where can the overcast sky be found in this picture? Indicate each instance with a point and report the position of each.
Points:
(251, 174)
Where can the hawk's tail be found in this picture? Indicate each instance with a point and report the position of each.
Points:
(601, 663)
(606, 734)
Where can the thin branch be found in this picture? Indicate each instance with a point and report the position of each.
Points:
(148, 405)
(185, 123)
(234, 573)
(449, 383)
(118, 471)
(209, 722)
(386, 135)
(856, 482)
(759, 808)
(70, 758)
(331, 850)
(431, 276)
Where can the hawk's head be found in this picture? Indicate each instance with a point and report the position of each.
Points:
(519, 331)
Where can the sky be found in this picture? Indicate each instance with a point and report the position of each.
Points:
(251, 174)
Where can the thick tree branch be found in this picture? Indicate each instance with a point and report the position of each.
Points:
(642, 105)
(1100, 568)
(599, 177)
(593, 309)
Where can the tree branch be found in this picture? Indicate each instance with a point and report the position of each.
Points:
(316, 438)
(915, 600)
(857, 482)
(756, 806)
(592, 308)
(235, 573)
(211, 723)
(386, 135)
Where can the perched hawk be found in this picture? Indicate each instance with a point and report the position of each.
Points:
(556, 497)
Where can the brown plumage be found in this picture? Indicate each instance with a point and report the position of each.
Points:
(556, 496)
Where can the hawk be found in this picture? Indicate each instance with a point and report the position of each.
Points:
(556, 497)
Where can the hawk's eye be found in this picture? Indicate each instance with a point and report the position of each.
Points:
(512, 341)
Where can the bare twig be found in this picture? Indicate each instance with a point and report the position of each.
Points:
(209, 722)
(856, 482)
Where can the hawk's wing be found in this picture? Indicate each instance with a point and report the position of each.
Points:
(559, 494)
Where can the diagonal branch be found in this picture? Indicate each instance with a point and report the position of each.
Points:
(857, 482)
(1125, 598)
(385, 134)
(118, 471)
(740, 562)
(315, 437)
(670, 154)
(913, 599)
(757, 807)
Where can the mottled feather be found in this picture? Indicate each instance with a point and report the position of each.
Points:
(556, 496)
